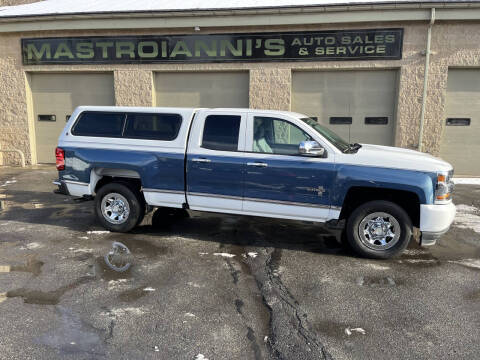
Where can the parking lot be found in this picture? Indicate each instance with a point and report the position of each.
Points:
(224, 287)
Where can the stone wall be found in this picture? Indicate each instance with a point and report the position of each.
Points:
(16, 2)
(453, 45)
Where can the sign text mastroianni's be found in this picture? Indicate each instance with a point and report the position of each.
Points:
(293, 46)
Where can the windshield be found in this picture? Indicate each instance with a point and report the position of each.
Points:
(328, 134)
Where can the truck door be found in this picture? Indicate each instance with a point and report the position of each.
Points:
(279, 182)
(215, 161)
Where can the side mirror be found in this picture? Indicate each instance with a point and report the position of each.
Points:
(311, 148)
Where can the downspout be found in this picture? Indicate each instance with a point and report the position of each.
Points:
(425, 79)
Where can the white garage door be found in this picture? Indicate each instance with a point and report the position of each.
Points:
(461, 137)
(207, 89)
(358, 105)
(55, 96)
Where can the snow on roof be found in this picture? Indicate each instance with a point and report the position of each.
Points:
(65, 7)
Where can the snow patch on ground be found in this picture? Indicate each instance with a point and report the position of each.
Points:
(195, 285)
(148, 289)
(123, 311)
(466, 181)
(349, 331)
(8, 182)
(31, 246)
(227, 255)
(468, 217)
(378, 267)
(471, 263)
(84, 250)
(114, 284)
(98, 232)
(200, 357)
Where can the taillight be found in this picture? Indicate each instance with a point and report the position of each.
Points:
(60, 158)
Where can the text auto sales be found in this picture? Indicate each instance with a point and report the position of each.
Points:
(213, 48)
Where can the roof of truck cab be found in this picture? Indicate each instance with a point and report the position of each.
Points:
(272, 112)
(133, 108)
(183, 109)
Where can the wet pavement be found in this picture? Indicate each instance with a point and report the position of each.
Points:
(224, 287)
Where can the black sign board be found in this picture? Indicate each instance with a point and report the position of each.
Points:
(291, 46)
(341, 120)
(458, 122)
(376, 120)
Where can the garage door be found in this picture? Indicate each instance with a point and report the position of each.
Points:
(358, 105)
(54, 98)
(461, 137)
(208, 89)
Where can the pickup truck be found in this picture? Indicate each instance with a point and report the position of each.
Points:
(275, 164)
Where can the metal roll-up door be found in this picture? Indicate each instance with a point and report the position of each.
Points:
(358, 105)
(461, 136)
(202, 89)
(55, 96)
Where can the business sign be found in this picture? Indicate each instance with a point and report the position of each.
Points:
(292, 46)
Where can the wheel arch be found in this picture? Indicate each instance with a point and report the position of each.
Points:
(99, 177)
(406, 199)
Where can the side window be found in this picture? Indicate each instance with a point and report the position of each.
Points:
(277, 136)
(152, 126)
(93, 123)
(220, 132)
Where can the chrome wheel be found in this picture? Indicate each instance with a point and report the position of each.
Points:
(379, 231)
(115, 208)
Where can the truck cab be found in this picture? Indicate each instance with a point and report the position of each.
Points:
(252, 162)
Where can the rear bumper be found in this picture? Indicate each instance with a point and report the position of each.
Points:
(435, 220)
(62, 187)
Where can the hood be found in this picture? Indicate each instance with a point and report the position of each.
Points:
(394, 157)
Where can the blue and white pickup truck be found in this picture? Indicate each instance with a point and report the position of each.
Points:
(252, 162)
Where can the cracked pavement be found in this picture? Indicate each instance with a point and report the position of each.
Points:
(216, 286)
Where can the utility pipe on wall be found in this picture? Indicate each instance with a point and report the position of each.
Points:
(425, 79)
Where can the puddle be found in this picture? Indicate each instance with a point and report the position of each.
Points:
(133, 294)
(143, 247)
(116, 264)
(239, 305)
(475, 295)
(108, 273)
(373, 281)
(33, 266)
(72, 335)
(46, 297)
(330, 328)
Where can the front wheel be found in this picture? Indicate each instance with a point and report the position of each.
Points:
(379, 229)
(118, 207)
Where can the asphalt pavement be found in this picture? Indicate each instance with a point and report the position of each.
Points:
(215, 286)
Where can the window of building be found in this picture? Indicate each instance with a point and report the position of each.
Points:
(220, 132)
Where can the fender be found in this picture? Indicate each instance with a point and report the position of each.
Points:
(418, 182)
(154, 168)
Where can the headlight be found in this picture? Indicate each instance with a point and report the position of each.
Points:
(444, 188)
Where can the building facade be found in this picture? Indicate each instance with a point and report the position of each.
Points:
(357, 68)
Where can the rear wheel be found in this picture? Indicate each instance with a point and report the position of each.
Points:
(379, 229)
(118, 207)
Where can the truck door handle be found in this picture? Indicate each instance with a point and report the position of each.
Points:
(201, 160)
(257, 164)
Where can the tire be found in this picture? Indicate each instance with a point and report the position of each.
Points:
(164, 217)
(379, 230)
(124, 198)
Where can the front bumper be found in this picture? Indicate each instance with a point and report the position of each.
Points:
(435, 220)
